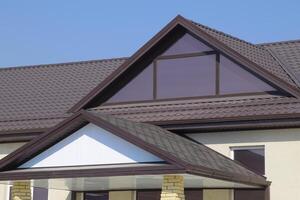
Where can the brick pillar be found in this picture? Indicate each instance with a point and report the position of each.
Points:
(172, 188)
(21, 191)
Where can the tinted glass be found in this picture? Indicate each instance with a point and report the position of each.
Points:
(96, 196)
(254, 159)
(186, 77)
(155, 194)
(249, 195)
(138, 89)
(40, 194)
(193, 194)
(235, 79)
(148, 195)
(187, 44)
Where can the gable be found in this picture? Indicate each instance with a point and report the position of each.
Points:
(90, 145)
(190, 68)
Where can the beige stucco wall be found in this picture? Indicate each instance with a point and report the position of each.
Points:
(59, 194)
(121, 195)
(282, 155)
(217, 194)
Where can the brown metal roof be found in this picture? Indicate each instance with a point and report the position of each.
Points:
(180, 152)
(255, 53)
(288, 54)
(37, 97)
(203, 110)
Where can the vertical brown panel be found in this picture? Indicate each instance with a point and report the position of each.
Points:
(194, 194)
(40, 193)
(217, 74)
(148, 195)
(154, 79)
(244, 194)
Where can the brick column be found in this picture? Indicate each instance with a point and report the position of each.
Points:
(21, 191)
(172, 188)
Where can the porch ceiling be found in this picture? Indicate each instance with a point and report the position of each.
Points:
(127, 183)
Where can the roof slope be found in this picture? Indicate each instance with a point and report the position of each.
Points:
(255, 53)
(195, 158)
(31, 97)
(288, 54)
(191, 153)
(38, 97)
(206, 110)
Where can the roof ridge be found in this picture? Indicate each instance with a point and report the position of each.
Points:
(278, 42)
(221, 32)
(60, 63)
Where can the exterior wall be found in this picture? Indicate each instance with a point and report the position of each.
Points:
(217, 194)
(121, 195)
(282, 150)
(59, 194)
(5, 149)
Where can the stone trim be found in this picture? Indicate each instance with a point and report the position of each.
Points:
(21, 191)
(172, 188)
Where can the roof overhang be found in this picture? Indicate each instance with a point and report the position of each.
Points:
(11, 167)
(91, 178)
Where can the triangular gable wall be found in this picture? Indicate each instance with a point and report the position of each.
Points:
(190, 68)
(90, 145)
(154, 47)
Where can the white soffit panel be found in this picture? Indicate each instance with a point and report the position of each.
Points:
(91, 145)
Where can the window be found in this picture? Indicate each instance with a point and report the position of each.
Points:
(138, 89)
(96, 196)
(234, 79)
(189, 68)
(40, 193)
(254, 159)
(244, 194)
(186, 44)
(172, 81)
(190, 194)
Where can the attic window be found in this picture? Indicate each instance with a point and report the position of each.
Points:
(189, 68)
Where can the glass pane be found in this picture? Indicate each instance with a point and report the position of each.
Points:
(186, 77)
(249, 195)
(193, 194)
(138, 89)
(96, 196)
(40, 194)
(235, 79)
(186, 44)
(148, 195)
(254, 159)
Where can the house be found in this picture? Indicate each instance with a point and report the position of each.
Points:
(194, 114)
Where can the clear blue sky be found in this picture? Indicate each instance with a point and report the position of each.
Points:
(35, 31)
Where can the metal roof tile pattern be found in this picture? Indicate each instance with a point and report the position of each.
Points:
(255, 53)
(204, 109)
(288, 52)
(190, 152)
(47, 91)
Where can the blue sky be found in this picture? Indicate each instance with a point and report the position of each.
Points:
(35, 31)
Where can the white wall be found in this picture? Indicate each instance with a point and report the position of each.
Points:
(59, 195)
(90, 145)
(282, 155)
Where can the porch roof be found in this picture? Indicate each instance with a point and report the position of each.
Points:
(181, 155)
